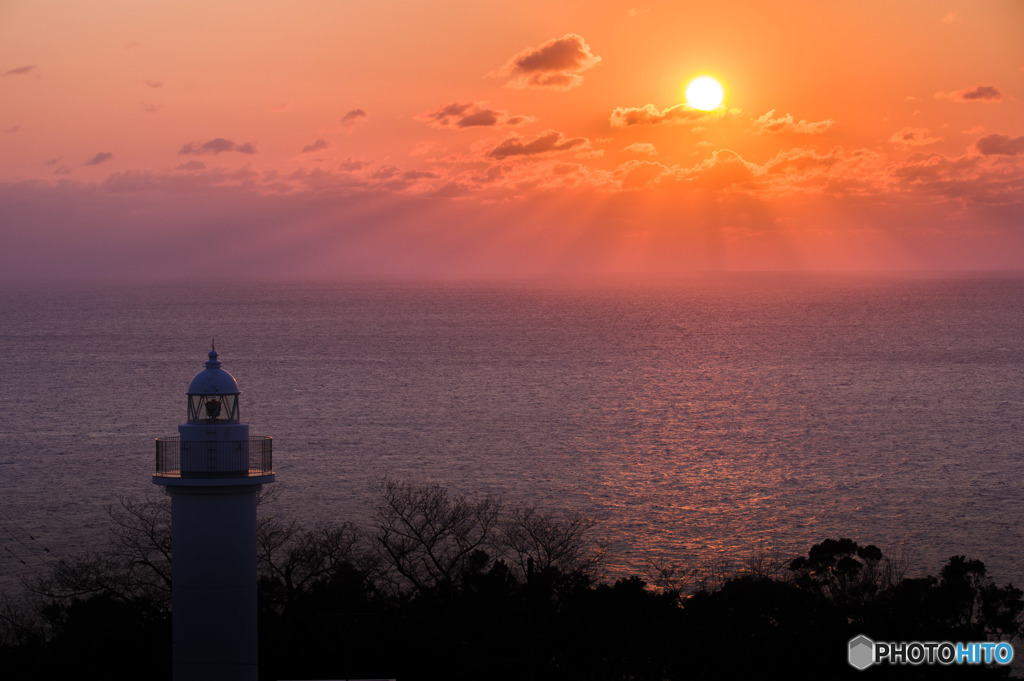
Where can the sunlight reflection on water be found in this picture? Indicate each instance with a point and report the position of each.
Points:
(698, 419)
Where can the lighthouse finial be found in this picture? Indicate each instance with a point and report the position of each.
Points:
(213, 363)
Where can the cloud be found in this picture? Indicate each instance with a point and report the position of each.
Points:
(153, 83)
(391, 178)
(803, 171)
(99, 158)
(950, 18)
(353, 118)
(548, 142)
(649, 114)
(557, 64)
(802, 161)
(15, 128)
(150, 107)
(1000, 145)
(913, 137)
(350, 165)
(982, 93)
(639, 174)
(470, 115)
(640, 215)
(964, 181)
(418, 175)
(215, 146)
(21, 71)
(723, 169)
(192, 165)
(768, 125)
(385, 172)
(645, 148)
(426, 147)
(319, 145)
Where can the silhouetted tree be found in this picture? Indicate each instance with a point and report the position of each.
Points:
(962, 605)
(425, 535)
(293, 559)
(843, 572)
(134, 567)
(454, 588)
(538, 542)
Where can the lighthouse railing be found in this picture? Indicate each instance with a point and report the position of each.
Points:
(232, 458)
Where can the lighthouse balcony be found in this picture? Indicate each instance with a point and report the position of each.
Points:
(248, 458)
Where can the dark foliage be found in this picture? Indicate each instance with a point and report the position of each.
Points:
(450, 588)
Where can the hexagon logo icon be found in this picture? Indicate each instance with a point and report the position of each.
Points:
(862, 652)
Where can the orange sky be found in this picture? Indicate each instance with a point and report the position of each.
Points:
(318, 138)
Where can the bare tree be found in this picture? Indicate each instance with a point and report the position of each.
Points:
(299, 557)
(141, 533)
(134, 567)
(764, 565)
(540, 542)
(427, 536)
(20, 625)
(675, 578)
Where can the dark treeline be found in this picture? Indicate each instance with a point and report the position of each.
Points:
(445, 587)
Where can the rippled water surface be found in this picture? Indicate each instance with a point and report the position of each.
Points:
(695, 419)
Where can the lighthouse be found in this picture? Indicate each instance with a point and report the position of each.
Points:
(213, 470)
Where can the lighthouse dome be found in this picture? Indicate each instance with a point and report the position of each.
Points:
(213, 380)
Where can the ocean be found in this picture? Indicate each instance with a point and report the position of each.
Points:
(698, 420)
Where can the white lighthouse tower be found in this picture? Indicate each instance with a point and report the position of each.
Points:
(212, 471)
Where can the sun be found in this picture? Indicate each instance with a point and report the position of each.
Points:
(704, 93)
